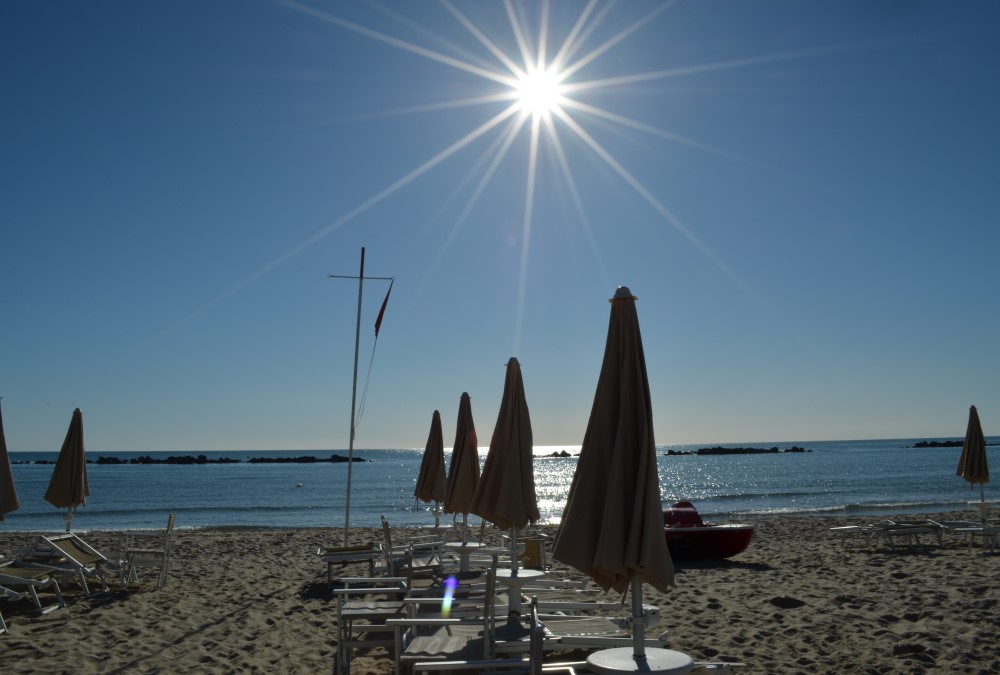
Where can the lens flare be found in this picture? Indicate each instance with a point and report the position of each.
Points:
(450, 584)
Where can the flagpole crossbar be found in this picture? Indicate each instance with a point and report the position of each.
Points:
(354, 276)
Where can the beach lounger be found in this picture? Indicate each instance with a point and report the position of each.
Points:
(70, 556)
(560, 596)
(931, 527)
(363, 606)
(342, 555)
(365, 603)
(578, 629)
(419, 556)
(440, 638)
(989, 534)
(535, 663)
(575, 620)
(892, 533)
(22, 582)
(151, 552)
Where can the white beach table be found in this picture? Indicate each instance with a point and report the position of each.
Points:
(465, 551)
(622, 660)
(514, 580)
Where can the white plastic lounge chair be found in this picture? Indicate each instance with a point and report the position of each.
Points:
(70, 556)
(153, 554)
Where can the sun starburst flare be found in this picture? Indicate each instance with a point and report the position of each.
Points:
(539, 94)
(539, 91)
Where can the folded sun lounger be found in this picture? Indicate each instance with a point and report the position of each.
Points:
(892, 532)
(70, 556)
(21, 582)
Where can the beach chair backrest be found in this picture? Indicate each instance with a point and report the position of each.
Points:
(161, 579)
(536, 653)
(489, 618)
(386, 535)
(76, 550)
(168, 534)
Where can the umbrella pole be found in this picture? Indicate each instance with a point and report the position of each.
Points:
(69, 516)
(513, 549)
(638, 621)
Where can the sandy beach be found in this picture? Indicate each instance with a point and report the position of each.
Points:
(799, 600)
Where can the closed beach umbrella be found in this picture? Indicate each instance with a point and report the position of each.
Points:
(463, 473)
(430, 480)
(68, 487)
(972, 465)
(8, 495)
(612, 526)
(506, 492)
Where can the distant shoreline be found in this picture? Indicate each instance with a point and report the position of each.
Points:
(205, 459)
(540, 450)
(942, 444)
(719, 450)
(334, 458)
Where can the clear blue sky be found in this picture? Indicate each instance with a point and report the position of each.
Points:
(803, 195)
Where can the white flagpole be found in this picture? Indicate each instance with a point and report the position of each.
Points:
(354, 390)
(354, 395)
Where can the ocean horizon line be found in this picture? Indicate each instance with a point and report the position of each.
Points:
(538, 450)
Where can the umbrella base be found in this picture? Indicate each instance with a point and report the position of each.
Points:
(622, 660)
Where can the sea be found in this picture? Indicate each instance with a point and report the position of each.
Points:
(848, 478)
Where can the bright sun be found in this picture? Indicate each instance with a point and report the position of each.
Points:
(539, 91)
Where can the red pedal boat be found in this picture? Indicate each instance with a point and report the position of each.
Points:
(688, 536)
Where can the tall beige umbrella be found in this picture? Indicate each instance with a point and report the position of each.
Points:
(68, 487)
(612, 526)
(506, 492)
(463, 472)
(972, 465)
(430, 480)
(8, 495)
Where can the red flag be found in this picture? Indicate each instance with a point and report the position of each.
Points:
(381, 312)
